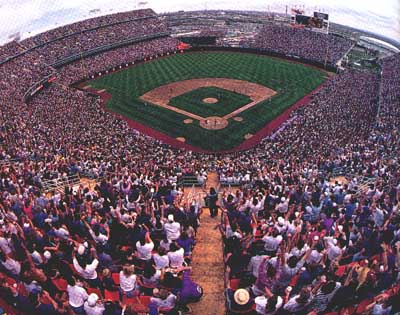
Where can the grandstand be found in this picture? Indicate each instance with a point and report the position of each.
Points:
(249, 168)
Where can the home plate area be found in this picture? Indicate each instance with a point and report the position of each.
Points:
(210, 101)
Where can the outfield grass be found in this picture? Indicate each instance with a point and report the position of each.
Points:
(193, 101)
(291, 81)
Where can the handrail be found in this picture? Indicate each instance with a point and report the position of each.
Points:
(9, 58)
(62, 182)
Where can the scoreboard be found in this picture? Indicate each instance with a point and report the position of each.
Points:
(318, 22)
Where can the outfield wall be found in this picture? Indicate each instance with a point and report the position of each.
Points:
(205, 49)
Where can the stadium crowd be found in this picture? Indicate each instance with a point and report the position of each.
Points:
(106, 35)
(296, 241)
(108, 60)
(85, 25)
(306, 44)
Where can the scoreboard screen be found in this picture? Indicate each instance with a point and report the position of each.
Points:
(309, 21)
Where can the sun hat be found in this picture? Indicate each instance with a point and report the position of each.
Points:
(106, 272)
(171, 218)
(47, 254)
(92, 299)
(241, 296)
(81, 249)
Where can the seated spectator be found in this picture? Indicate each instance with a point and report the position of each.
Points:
(172, 228)
(176, 256)
(145, 247)
(93, 306)
(163, 299)
(77, 296)
(161, 258)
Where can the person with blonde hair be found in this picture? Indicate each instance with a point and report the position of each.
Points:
(128, 281)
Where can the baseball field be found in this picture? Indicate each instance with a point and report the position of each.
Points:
(210, 100)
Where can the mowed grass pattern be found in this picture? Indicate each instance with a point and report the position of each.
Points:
(291, 81)
(193, 101)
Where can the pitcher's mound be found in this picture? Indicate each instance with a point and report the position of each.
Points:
(188, 121)
(237, 118)
(181, 139)
(210, 100)
(214, 123)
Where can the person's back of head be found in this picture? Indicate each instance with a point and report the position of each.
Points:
(142, 241)
(34, 298)
(71, 281)
(162, 251)
(129, 310)
(304, 296)
(2, 256)
(271, 271)
(149, 271)
(271, 304)
(328, 287)
(128, 270)
(174, 247)
(292, 261)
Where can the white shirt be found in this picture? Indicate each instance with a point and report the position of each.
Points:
(169, 302)
(101, 238)
(5, 245)
(61, 233)
(173, 230)
(12, 266)
(76, 295)
(161, 261)
(145, 250)
(255, 263)
(176, 258)
(271, 243)
(98, 309)
(127, 284)
(90, 270)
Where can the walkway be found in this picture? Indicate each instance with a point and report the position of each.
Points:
(208, 267)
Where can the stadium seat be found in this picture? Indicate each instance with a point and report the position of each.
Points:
(111, 295)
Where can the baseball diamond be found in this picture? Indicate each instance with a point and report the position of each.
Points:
(209, 89)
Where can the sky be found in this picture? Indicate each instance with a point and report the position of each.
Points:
(30, 17)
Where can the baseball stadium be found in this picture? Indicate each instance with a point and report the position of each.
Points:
(163, 159)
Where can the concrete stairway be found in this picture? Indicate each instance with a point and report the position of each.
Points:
(207, 265)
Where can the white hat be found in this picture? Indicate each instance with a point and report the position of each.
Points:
(264, 226)
(170, 217)
(92, 299)
(279, 238)
(241, 296)
(81, 249)
(283, 199)
(281, 221)
(47, 255)
(126, 217)
(279, 302)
